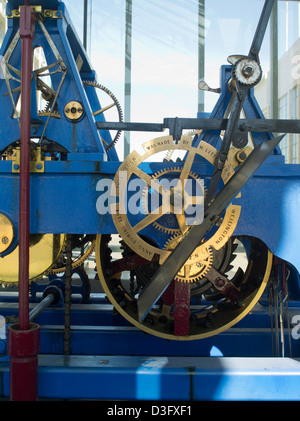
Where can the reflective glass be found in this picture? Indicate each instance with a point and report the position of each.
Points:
(154, 65)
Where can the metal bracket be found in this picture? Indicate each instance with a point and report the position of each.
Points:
(36, 166)
(45, 13)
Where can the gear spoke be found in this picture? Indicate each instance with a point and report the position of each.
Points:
(149, 219)
(182, 223)
(108, 107)
(187, 166)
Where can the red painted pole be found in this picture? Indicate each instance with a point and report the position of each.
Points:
(26, 34)
(23, 338)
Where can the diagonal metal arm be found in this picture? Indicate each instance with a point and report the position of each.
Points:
(260, 30)
(195, 234)
(238, 102)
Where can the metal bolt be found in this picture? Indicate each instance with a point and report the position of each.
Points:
(242, 156)
(220, 282)
(248, 71)
(5, 240)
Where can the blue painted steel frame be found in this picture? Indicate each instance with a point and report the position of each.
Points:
(270, 199)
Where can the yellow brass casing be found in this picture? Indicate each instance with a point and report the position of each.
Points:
(6, 233)
(44, 249)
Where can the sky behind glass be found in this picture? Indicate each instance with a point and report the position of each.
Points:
(165, 49)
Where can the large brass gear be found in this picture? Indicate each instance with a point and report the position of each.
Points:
(131, 166)
(207, 319)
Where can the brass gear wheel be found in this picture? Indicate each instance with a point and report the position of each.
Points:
(133, 233)
(78, 257)
(114, 104)
(201, 261)
(207, 317)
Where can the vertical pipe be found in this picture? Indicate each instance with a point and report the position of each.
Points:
(26, 34)
(23, 337)
(201, 52)
(274, 62)
(127, 93)
(85, 23)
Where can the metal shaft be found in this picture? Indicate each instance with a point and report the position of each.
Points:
(26, 33)
(40, 307)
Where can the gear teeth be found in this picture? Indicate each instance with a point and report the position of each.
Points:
(114, 98)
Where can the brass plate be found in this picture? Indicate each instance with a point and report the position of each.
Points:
(6, 233)
(43, 251)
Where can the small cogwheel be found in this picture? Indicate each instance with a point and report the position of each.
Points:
(247, 72)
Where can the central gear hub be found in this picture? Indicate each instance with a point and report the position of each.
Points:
(198, 264)
(247, 71)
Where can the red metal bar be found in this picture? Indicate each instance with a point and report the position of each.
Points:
(23, 337)
(26, 34)
(182, 308)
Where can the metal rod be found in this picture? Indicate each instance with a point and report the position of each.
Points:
(85, 19)
(243, 125)
(127, 88)
(201, 52)
(40, 307)
(26, 33)
(274, 61)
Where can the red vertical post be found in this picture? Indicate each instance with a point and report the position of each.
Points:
(182, 308)
(26, 34)
(23, 338)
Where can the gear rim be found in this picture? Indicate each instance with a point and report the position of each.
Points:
(260, 272)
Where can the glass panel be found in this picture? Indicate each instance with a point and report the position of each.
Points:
(176, 43)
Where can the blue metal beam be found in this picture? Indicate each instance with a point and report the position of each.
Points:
(165, 378)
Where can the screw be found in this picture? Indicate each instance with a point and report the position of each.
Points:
(4, 240)
(220, 282)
